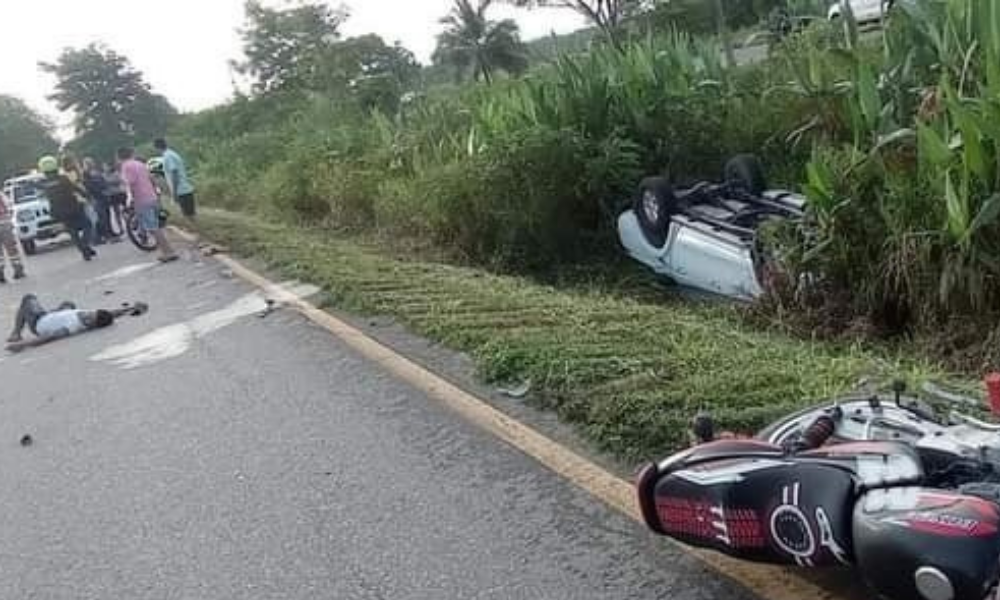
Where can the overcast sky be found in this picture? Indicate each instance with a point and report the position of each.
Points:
(183, 46)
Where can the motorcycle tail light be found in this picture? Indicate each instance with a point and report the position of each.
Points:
(993, 388)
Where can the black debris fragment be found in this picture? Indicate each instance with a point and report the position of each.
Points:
(271, 306)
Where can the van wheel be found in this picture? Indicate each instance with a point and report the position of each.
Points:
(30, 248)
(654, 207)
(745, 170)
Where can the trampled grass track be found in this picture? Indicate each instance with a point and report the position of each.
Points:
(630, 371)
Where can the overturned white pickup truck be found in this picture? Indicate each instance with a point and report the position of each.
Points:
(705, 237)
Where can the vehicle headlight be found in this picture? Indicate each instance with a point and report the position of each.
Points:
(23, 216)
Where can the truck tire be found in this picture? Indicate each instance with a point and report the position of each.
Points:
(745, 170)
(29, 246)
(654, 207)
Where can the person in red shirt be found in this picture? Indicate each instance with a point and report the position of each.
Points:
(8, 241)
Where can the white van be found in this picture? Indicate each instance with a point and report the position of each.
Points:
(865, 11)
(32, 214)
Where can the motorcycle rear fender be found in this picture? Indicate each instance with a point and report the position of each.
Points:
(748, 500)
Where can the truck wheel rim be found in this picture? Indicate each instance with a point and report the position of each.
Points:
(651, 207)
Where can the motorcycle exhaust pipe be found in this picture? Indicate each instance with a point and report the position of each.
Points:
(933, 584)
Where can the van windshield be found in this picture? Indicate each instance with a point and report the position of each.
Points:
(22, 193)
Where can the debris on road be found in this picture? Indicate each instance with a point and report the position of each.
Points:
(212, 250)
(517, 392)
(138, 309)
(270, 308)
(27, 440)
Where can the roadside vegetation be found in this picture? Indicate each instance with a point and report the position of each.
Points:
(26, 135)
(628, 363)
(893, 137)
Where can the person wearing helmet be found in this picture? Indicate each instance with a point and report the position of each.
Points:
(67, 202)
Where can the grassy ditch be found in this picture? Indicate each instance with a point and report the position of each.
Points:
(629, 372)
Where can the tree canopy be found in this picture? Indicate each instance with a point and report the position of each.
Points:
(606, 15)
(473, 44)
(284, 46)
(111, 103)
(369, 71)
(26, 136)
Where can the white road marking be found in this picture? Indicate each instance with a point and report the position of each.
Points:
(126, 271)
(174, 340)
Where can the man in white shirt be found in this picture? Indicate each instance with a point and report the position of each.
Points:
(66, 321)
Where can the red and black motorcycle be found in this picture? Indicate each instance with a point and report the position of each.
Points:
(908, 498)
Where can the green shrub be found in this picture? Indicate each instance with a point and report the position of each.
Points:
(530, 198)
(291, 189)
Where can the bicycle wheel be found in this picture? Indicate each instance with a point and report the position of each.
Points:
(138, 234)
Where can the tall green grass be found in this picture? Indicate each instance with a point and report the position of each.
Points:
(904, 184)
(521, 174)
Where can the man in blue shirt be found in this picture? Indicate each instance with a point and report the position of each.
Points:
(175, 172)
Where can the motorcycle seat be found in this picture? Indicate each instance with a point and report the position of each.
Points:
(875, 465)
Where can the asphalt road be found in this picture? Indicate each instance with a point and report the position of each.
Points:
(205, 452)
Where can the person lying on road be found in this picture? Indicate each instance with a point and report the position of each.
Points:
(64, 322)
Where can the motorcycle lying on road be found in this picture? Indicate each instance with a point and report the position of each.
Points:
(884, 484)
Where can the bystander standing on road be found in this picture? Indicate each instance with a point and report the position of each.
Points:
(8, 241)
(178, 182)
(67, 201)
(145, 200)
(73, 171)
(97, 188)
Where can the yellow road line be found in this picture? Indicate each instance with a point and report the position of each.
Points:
(770, 583)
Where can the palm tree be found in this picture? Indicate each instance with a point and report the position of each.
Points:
(473, 43)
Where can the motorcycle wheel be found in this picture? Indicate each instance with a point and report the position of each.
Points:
(138, 235)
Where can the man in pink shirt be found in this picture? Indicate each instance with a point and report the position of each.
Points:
(145, 200)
